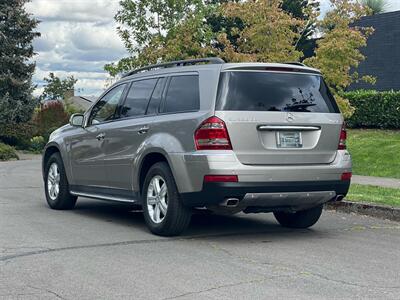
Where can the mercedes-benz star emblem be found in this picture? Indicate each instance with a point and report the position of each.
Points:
(290, 117)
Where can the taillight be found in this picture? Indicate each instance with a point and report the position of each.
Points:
(346, 176)
(212, 135)
(221, 178)
(342, 138)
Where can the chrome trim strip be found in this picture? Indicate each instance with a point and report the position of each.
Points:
(292, 198)
(287, 127)
(102, 197)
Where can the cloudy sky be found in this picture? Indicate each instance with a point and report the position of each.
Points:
(79, 37)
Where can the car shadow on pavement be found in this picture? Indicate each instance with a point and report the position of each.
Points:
(203, 224)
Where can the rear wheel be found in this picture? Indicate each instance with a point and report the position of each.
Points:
(56, 184)
(301, 219)
(162, 207)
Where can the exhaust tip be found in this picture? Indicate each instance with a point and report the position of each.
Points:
(339, 197)
(230, 202)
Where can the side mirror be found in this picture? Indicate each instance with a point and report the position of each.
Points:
(76, 120)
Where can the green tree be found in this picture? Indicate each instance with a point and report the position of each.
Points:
(307, 10)
(56, 88)
(155, 31)
(17, 31)
(258, 30)
(375, 6)
(269, 33)
(338, 51)
(146, 26)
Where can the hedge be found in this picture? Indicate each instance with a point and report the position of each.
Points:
(374, 109)
(7, 152)
(17, 135)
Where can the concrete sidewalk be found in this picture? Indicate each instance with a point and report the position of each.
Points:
(28, 156)
(376, 181)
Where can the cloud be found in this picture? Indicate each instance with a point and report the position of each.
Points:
(74, 10)
(78, 37)
(90, 38)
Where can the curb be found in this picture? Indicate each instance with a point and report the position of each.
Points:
(377, 211)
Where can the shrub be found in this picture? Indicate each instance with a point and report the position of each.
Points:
(49, 117)
(71, 109)
(17, 135)
(37, 143)
(374, 109)
(7, 152)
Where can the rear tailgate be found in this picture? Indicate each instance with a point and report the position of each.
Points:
(276, 118)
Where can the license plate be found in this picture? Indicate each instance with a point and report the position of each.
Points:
(289, 139)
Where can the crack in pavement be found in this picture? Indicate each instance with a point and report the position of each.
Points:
(47, 291)
(148, 241)
(261, 280)
(50, 250)
(37, 293)
(124, 243)
(295, 269)
(348, 283)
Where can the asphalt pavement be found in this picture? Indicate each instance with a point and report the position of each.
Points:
(102, 251)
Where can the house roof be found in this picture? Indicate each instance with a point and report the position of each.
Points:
(81, 102)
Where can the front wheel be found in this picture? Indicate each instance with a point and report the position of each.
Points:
(56, 184)
(162, 207)
(301, 219)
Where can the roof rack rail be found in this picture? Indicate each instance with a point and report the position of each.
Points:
(295, 63)
(177, 63)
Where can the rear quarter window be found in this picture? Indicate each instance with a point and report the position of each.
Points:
(273, 91)
(182, 94)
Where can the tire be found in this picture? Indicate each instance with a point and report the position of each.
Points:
(173, 216)
(301, 219)
(62, 199)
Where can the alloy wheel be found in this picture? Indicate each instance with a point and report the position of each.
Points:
(157, 199)
(53, 181)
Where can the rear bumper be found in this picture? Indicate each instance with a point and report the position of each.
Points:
(189, 170)
(295, 195)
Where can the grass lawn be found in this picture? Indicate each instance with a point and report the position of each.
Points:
(375, 152)
(374, 194)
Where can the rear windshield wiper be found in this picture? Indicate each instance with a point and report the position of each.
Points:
(298, 106)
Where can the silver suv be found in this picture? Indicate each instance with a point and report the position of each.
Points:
(228, 137)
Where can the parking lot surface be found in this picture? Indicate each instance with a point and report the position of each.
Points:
(102, 251)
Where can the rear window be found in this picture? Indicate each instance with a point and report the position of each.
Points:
(268, 91)
(182, 95)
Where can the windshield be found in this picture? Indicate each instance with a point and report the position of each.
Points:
(271, 91)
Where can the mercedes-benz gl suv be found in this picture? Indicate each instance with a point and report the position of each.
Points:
(228, 137)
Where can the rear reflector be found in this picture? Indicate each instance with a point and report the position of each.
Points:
(342, 138)
(346, 176)
(221, 178)
(212, 135)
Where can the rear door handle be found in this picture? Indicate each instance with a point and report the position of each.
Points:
(143, 130)
(100, 136)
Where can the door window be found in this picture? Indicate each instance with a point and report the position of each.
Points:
(183, 94)
(138, 98)
(105, 109)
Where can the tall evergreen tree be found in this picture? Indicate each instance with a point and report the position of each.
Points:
(307, 10)
(17, 31)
